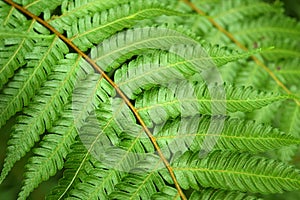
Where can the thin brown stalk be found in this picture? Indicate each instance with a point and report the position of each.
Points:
(233, 39)
(106, 77)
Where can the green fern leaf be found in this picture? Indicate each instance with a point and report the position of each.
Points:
(49, 156)
(71, 11)
(260, 29)
(85, 177)
(10, 17)
(72, 164)
(289, 122)
(153, 69)
(236, 135)
(80, 159)
(231, 171)
(211, 194)
(15, 98)
(166, 193)
(112, 52)
(285, 48)
(251, 75)
(160, 103)
(231, 12)
(77, 121)
(37, 7)
(289, 71)
(13, 49)
(87, 31)
(140, 184)
(26, 82)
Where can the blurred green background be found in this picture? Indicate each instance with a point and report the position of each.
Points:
(11, 186)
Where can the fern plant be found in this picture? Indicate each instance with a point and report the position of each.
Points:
(151, 99)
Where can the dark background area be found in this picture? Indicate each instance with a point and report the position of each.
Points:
(292, 8)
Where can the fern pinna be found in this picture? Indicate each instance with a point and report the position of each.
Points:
(151, 99)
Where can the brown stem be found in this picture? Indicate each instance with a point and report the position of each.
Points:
(122, 95)
(233, 39)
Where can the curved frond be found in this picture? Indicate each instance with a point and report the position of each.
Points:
(140, 183)
(71, 168)
(160, 123)
(251, 74)
(28, 80)
(50, 100)
(10, 17)
(233, 11)
(51, 152)
(38, 6)
(71, 11)
(155, 69)
(232, 171)
(49, 157)
(12, 54)
(166, 193)
(290, 123)
(122, 46)
(289, 71)
(262, 29)
(90, 30)
(215, 194)
(161, 103)
(17, 44)
(236, 135)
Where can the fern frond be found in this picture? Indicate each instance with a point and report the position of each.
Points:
(227, 14)
(251, 74)
(71, 11)
(233, 11)
(159, 104)
(140, 183)
(90, 134)
(289, 121)
(73, 120)
(261, 29)
(99, 135)
(90, 30)
(17, 43)
(284, 48)
(155, 69)
(12, 53)
(236, 135)
(166, 193)
(85, 177)
(51, 152)
(71, 168)
(122, 46)
(215, 194)
(37, 6)
(27, 81)
(232, 171)
(10, 17)
(23, 86)
(50, 100)
(289, 71)
(49, 157)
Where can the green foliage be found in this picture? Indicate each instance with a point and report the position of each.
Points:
(218, 91)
